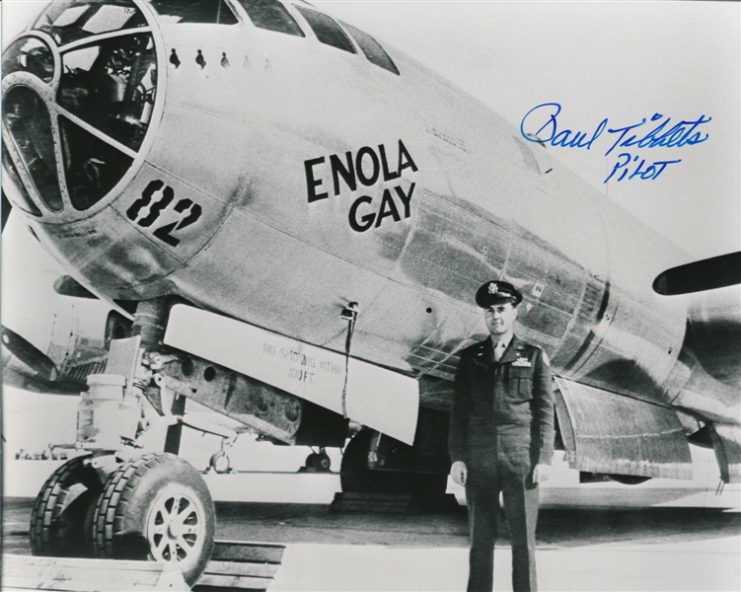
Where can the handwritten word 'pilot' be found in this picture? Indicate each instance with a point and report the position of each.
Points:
(367, 167)
(541, 125)
(642, 171)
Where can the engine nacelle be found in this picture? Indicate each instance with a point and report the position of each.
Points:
(714, 333)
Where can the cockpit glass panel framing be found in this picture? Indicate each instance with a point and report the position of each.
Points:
(13, 185)
(372, 49)
(271, 15)
(326, 29)
(29, 55)
(214, 12)
(26, 118)
(91, 166)
(112, 86)
(71, 135)
(71, 20)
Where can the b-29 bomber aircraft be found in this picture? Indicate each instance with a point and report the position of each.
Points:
(288, 220)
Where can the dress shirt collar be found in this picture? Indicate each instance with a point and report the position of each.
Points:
(503, 341)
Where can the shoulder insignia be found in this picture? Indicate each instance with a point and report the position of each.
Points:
(477, 349)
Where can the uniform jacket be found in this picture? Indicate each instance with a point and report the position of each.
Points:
(512, 399)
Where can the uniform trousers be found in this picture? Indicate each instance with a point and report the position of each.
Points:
(510, 474)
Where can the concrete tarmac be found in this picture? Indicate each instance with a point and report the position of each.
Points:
(655, 549)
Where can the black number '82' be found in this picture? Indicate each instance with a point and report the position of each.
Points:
(150, 208)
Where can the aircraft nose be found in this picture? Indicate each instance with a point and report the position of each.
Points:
(79, 94)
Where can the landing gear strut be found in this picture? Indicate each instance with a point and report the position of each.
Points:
(114, 501)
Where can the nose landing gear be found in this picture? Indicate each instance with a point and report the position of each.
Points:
(115, 501)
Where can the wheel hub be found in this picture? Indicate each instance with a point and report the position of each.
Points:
(175, 528)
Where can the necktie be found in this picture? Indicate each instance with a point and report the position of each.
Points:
(499, 350)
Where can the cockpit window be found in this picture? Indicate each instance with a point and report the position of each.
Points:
(13, 185)
(372, 49)
(26, 118)
(215, 12)
(107, 18)
(326, 30)
(70, 20)
(91, 166)
(67, 145)
(111, 85)
(29, 55)
(271, 15)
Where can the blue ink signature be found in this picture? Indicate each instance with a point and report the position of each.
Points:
(548, 132)
(683, 133)
(644, 173)
(540, 125)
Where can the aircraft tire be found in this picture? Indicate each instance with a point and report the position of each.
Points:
(157, 507)
(317, 462)
(62, 515)
(629, 479)
(357, 477)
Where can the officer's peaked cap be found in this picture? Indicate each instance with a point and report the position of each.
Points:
(497, 292)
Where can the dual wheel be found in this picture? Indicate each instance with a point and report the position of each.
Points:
(156, 507)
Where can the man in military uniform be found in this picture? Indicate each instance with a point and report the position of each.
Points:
(501, 437)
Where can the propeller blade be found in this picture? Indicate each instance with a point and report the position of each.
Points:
(27, 353)
(68, 286)
(698, 276)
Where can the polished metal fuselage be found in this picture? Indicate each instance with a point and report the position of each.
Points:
(252, 143)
